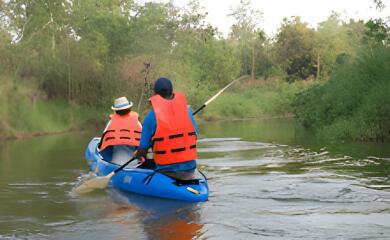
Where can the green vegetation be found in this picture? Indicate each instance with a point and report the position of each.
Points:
(23, 115)
(355, 102)
(62, 63)
(256, 99)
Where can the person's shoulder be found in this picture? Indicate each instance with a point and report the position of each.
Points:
(189, 109)
(132, 113)
(151, 112)
(150, 115)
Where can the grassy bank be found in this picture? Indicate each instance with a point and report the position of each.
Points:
(24, 113)
(256, 99)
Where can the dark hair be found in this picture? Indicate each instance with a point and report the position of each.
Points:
(123, 112)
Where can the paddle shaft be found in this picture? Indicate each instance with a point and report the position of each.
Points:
(216, 95)
(124, 165)
(199, 109)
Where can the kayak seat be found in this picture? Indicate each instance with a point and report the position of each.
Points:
(179, 182)
(180, 177)
(184, 177)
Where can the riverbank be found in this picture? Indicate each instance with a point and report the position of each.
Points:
(354, 103)
(255, 99)
(26, 112)
(24, 117)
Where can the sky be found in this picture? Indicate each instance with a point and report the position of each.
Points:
(310, 11)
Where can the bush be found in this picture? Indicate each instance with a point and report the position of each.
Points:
(23, 110)
(354, 103)
(249, 99)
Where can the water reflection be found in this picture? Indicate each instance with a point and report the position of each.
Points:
(259, 188)
(160, 218)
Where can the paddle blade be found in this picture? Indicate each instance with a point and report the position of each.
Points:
(92, 184)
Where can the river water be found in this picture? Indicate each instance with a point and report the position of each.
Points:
(269, 179)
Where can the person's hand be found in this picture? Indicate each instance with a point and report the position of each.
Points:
(140, 154)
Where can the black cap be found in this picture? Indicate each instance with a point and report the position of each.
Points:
(163, 87)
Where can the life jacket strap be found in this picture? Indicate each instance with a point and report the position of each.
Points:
(160, 152)
(178, 150)
(176, 136)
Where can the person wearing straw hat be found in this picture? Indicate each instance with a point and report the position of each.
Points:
(122, 135)
(170, 130)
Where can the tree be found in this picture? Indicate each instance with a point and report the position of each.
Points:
(294, 49)
(211, 60)
(379, 4)
(247, 36)
(379, 30)
(331, 40)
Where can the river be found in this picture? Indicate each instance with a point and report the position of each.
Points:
(269, 179)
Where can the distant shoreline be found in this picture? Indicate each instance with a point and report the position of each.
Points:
(27, 135)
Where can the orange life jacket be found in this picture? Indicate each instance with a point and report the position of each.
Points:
(122, 130)
(175, 139)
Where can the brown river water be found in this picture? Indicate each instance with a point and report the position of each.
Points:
(268, 179)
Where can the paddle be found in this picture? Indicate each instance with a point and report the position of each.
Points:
(216, 95)
(99, 182)
(102, 182)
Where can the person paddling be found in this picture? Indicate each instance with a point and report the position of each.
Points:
(170, 130)
(122, 135)
(170, 119)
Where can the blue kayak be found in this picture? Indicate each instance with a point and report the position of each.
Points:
(147, 181)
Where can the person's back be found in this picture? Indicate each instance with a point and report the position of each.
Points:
(170, 130)
(122, 134)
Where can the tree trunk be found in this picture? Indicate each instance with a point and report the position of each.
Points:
(69, 82)
(253, 63)
(68, 71)
(318, 67)
(53, 40)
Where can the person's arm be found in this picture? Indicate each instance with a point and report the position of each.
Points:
(193, 120)
(148, 129)
(105, 129)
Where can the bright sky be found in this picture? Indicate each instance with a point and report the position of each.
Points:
(311, 11)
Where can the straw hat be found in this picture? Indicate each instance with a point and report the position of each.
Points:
(121, 104)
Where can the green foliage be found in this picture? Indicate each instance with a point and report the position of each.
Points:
(379, 30)
(294, 49)
(248, 38)
(78, 55)
(354, 103)
(330, 43)
(256, 99)
(22, 112)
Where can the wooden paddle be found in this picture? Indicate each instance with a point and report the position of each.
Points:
(99, 182)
